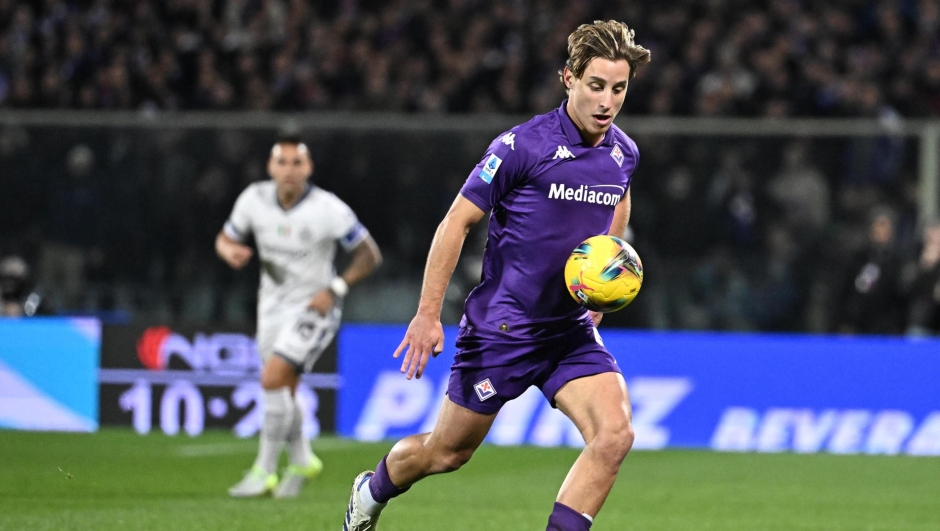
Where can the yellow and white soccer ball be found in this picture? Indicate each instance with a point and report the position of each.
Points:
(604, 274)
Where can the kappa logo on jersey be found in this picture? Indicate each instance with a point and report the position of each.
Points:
(485, 390)
(489, 168)
(510, 140)
(563, 153)
(617, 154)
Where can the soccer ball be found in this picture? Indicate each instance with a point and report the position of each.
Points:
(604, 274)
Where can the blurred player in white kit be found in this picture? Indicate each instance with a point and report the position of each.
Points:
(295, 227)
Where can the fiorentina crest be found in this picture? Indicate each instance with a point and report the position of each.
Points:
(617, 154)
(485, 390)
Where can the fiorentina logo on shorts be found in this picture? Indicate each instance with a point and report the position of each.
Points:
(485, 389)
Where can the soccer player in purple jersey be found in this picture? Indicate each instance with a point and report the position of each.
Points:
(548, 184)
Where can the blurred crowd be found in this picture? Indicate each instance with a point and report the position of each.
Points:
(766, 234)
(774, 234)
(782, 238)
(123, 219)
(710, 57)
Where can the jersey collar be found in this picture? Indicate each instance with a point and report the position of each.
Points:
(571, 130)
(307, 189)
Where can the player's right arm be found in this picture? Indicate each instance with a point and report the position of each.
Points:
(228, 243)
(234, 253)
(506, 163)
(425, 335)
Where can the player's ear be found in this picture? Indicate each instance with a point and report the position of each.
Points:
(569, 78)
(270, 166)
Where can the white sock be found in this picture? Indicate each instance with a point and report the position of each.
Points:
(369, 505)
(298, 446)
(274, 428)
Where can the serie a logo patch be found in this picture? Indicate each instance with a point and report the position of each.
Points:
(489, 168)
(485, 390)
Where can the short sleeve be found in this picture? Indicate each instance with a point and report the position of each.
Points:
(348, 231)
(238, 226)
(633, 160)
(503, 167)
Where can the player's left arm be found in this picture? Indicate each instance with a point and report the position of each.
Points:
(618, 226)
(366, 257)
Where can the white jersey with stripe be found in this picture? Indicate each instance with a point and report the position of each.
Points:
(296, 246)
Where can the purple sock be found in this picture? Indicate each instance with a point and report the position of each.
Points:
(564, 518)
(381, 486)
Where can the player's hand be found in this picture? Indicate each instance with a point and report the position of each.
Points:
(322, 302)
(596, 317)
(237, 255)
(423, 340)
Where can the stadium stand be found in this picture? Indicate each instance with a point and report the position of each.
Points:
(714, 58)
(770, 227)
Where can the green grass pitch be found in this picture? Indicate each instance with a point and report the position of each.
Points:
(117, 480)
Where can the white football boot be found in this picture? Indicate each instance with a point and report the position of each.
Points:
(356, 517)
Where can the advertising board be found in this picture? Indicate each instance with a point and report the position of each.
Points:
(49, 374)
(184, 379)
(728, 392)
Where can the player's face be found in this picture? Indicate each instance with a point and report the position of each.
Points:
(290, 167)
(596, 97)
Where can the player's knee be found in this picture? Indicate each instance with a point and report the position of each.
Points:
(614, 441)
(450, 460)
(277, 373)
(271, 381)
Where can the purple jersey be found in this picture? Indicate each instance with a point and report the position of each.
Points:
(548, 191)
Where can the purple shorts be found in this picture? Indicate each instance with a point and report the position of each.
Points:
(491, 369)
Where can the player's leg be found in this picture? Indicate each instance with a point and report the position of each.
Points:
(258, 481)
(487, 372)
(303, 463)
(278, 379)
(458, 433)
(599, 405)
